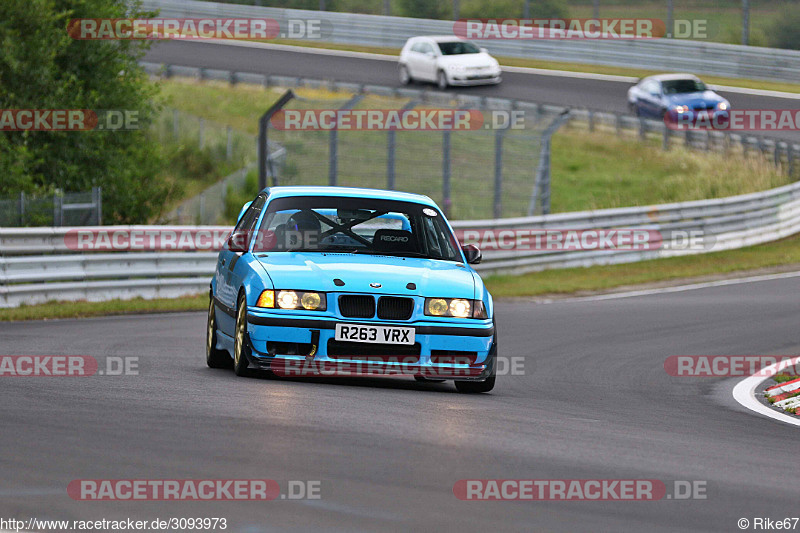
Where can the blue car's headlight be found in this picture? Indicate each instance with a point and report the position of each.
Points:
(289, 299)
(722, 106)
(455, 307)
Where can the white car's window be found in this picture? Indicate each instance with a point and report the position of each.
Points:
(453, 48)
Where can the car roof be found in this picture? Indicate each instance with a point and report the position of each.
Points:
(440, 38)
(669, 77)
(348, 192)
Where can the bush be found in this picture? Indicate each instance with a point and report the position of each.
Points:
(41, 67)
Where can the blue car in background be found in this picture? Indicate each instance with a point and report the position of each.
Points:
(675, 95)
(334, 276)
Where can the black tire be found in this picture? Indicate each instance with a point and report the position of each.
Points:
(241, 341)
(441, 81)
(405, 75)
(215, 358)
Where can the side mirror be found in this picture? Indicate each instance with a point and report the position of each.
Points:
(244, 208)
(484, 50)
(237, 242)
(472, 253)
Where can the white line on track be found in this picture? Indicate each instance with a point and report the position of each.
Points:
(678, 288)
(518, 70)
(744, 393)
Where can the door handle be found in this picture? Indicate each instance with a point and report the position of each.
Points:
(223, 262)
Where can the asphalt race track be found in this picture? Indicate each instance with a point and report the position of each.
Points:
(594, 403)
(598, 95)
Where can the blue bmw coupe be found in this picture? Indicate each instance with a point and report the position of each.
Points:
(672, 96)
(343, 278)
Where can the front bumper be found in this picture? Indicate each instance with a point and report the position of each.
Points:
(467, 79)
(294, 345)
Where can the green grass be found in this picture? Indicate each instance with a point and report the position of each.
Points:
(53, 310)
(783, 378)
(598, 171)
(604, 278)
(590, 170)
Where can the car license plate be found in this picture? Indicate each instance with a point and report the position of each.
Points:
(374, 334)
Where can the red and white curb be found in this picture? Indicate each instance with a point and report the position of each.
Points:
(745, 393)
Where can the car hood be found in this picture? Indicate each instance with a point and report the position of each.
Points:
(695, 99)
(316, 271)
(467, 60)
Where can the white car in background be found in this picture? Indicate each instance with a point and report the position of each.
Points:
(447, 60)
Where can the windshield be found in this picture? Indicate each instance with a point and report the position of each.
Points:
(454, 48)
(683, 86)
(355, 225)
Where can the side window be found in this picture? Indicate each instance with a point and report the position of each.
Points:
(426, 48)
(417, 47)
(243, 232)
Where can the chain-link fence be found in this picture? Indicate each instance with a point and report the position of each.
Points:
(59, 209)
(486, 169)
(222, 141)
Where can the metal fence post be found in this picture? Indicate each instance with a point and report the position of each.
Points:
(333, 144)
(200, 132)
(229, 144)
(541, 183)
(642, 129)
(446, 201)
(262, 146)
(665, 140)
(497, 209)
(22, 208)
(391, 139)
(58, 212)
(97, 192)
(175, 124)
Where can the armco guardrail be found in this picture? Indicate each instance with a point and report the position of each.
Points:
(700, 57)
(50, 272)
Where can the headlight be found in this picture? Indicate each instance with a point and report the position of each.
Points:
(722, 106)
(287, 300)
(455, 307)
(460, 308)
(311, 301)
(681, 108)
